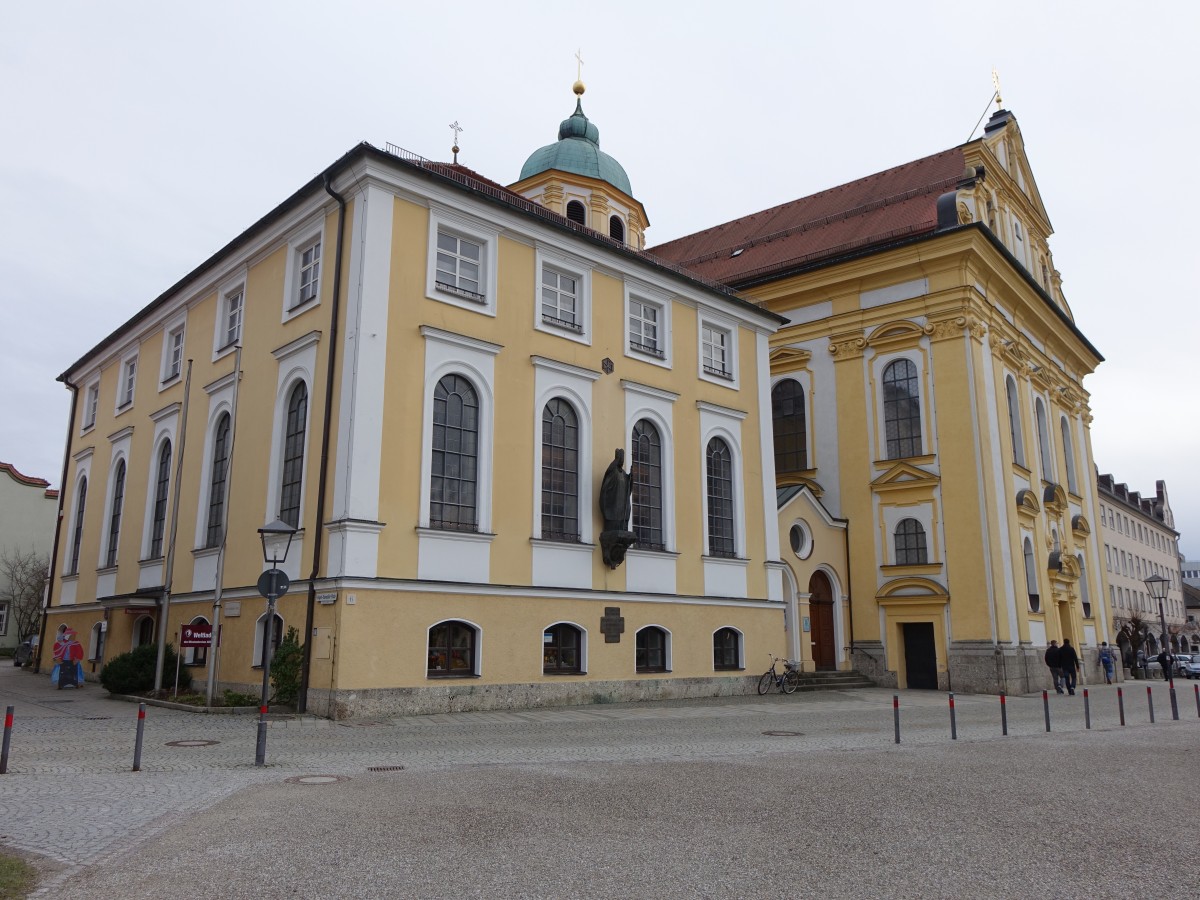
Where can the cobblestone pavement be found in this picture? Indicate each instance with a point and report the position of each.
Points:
(70, 798)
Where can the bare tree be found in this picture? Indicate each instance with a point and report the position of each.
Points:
(22, 586)
(1134, 628)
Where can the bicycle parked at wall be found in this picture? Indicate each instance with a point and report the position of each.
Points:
(787, 681)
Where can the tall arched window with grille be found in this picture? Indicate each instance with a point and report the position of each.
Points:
(576, 212)
(789, 426)
(1015, 428)
(1031, 583)
(162, 486)
(616, 229)
(293, 455)
(216, 487)
(455, 461)
(1043, 431)
(721, 536)
(1069, 455)
(911, 548)
(901, 409)
(77, 536)
(114, 516)
(645, 473)
(560, 471)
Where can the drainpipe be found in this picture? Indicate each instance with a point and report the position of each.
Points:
(323, 478)
(849, 593)
(62, 499)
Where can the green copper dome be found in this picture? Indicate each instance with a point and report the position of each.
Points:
(578, 152)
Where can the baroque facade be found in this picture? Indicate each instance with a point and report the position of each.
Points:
(436, 372)
(928, 388)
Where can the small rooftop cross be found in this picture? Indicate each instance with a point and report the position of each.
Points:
(457, 129)
(996, 82)
(579, 66)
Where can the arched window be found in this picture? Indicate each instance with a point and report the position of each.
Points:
(293, 456)
(143, 631)
(1069, 455)
(114, 517)
(791, 432)
(276, 638)
(216, 489)
(451, 650)
(1031, 584)
(645, 473)
(910, 544)
(77, 536)
(616, 229)
(576, 212)
(901, 410)
(1085, 595)
(1039, 409)
(727, 645)
(96, 642)
(1015, 428)
(198, 656)
(162, 484)
(560, 472)
(562, 650)
(455, 462)
(651, 650)
(721, 539)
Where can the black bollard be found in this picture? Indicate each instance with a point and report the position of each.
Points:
(953, 723)
(1003, 715)
(1121, 704)
(1087, 710)
(137, 747)
(1046, 704)
(896, 714)
(1150, 703)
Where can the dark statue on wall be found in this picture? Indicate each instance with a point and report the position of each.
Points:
(616, 492)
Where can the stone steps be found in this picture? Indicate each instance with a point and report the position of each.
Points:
(833, 681)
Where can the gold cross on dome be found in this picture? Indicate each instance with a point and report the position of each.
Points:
(457, 129)
(996, 82)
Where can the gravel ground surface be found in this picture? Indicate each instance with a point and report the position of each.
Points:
(688, 799)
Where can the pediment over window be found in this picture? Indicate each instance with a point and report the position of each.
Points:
(1054, 498)
(800, 481)
(1080, 526)
(912, 589)
(789, 359)
(904, 476)
(1027, 502)
(891, 334)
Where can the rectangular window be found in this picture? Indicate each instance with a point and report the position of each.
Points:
(127, 383)
(233, 318)
(89, 409)
(560, 298)
(310, 273)
(715, 343)
(643, 328)
(3, 618)
(174, 354)
(459, 266)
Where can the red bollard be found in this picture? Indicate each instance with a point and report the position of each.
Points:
(1003, 715)
(8, 720)
(1121, 704)
(953, 724)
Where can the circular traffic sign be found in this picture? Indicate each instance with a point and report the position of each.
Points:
(273, 581)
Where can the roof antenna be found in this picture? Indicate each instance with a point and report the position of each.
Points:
(995, 96)
(457, 129)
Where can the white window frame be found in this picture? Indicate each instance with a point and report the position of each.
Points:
(557, 380)
(720, 422)
(172, 369)
(4, 618)
(91, 404)
(127, 386)
(476, 231)
(730, 330)
(304, 240)
(641, 294)
(222, 343)
(571, 267)
(297, 361)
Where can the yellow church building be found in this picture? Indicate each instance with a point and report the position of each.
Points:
(437, 372)
(927, 390)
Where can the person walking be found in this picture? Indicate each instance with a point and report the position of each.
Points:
(1107, 662)
(1054, 661)
(1164, 660)
(1069, 661)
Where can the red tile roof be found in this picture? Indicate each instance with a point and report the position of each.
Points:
(32, 481)
(887, 205)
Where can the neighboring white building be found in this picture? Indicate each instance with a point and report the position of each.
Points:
(27, 512)
(1190, 569)
(1140, 540)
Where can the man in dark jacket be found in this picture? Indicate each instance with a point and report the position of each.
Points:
(1054, 661)
(1069, 660)
(1165, 660)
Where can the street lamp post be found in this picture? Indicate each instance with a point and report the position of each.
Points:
(272, 584)
(1157, 585)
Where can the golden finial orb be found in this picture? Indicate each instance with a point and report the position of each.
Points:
(578, 88)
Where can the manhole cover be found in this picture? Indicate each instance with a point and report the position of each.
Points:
(784, 733)
(58, 701)
(360, 724)
(191, 743)
(385, 768)
(316, 779)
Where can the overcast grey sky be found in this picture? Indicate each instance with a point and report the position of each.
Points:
(138, 138)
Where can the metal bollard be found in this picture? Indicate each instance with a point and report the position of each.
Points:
(1150, 703)
(1197, 687)
(1121, 704)
(953, 723)
(8, 717)
(896, 714)
(1003, 715)
(137, 747)
(1087, 710)
(1046, 704)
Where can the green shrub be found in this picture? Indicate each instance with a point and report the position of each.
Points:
(285, 669)
(237, 698)
(133, 672)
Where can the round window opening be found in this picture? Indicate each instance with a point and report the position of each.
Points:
(801, 540)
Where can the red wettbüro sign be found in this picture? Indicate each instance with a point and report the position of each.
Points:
(195, 636)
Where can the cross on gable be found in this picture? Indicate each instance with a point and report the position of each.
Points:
(612, 624)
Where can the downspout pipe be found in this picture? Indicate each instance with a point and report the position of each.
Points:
(849, 592)
(62, 499)
(326, 430)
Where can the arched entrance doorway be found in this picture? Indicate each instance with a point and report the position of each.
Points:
(820, 606)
